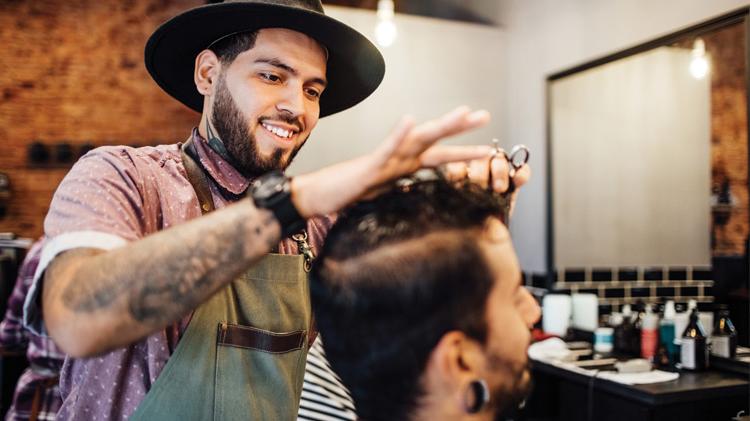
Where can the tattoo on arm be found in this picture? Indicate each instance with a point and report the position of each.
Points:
(164, 276)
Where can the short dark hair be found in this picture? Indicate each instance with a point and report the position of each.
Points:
(394, 275)
(228, 48)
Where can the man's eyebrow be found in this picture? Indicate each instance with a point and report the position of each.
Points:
(281, 65)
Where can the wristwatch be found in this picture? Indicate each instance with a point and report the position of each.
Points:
(273, 191)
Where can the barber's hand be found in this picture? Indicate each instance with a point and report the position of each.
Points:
(408, 148)
(478, 170)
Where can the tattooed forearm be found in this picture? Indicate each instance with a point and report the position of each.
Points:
(180, 284)
(152, 282)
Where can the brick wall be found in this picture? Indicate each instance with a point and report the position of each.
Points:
(729, 154)
(72, 71)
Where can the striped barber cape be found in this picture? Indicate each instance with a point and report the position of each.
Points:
(324, 397)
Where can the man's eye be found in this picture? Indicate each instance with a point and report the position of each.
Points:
(270, 77)
(313, 93)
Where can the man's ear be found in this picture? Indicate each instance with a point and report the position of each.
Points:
(207, 70)
(455, 361)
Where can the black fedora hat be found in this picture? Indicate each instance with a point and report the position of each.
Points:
(355, 66)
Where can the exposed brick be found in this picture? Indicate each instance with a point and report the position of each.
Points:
(73, 72)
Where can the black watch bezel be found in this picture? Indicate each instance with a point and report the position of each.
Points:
(273, 191)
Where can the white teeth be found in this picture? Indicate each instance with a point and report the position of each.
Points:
(278, 131)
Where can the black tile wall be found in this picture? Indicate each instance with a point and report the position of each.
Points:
(618, 286)
(601, 275)
(653, 274)
(575, 275)
(689, 291)
(677, 274)
(702, 274)
(665, 291)
(627, 274)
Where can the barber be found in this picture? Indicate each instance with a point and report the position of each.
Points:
(174, 277)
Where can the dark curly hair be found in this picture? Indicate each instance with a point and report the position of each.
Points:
(395, 274)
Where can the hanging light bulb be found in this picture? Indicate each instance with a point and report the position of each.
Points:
(699, 65)
(385, 30)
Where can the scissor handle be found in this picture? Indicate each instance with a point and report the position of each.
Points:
(518, 156)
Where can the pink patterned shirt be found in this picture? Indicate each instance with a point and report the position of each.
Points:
(112, 196)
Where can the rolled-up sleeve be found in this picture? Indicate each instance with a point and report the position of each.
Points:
(99, 204)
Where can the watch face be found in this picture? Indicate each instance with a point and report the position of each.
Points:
(269, 185)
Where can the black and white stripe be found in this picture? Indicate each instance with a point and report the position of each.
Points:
(324, 397)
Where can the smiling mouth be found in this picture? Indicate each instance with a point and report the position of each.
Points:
(279, 131)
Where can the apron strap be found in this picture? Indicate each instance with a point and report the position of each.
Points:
(199, 181)
(197, 178)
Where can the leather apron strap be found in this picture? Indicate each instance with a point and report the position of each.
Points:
(243, 354)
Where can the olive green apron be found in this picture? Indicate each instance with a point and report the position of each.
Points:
(242, 356)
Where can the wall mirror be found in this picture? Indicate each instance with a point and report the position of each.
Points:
(648, 152)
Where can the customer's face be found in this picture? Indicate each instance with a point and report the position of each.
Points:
(268, 100)
(511, 312)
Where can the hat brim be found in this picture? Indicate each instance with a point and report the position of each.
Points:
(355, 67)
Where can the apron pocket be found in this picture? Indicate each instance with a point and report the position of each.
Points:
(260, 340)
(273, 362)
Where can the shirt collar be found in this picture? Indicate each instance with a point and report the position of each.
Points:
(223, 173)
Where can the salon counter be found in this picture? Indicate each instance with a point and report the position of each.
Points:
(563, 394)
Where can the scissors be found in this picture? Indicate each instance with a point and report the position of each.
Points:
(517, 158)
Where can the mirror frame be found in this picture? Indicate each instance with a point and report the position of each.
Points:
(741, 15)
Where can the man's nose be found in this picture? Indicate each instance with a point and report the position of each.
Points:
(292, 102)
(532, 310)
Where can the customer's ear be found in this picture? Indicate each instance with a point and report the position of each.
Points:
(455, 361)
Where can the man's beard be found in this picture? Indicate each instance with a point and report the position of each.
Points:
(242, 146)
(507, 397)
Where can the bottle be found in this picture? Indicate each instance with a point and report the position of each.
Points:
(623, 331)
(603, 340)
(694, 351)
(649, 334)
(724, 337)
(635, 337)
(667, 333)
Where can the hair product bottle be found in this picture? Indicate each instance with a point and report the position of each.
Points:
(649, 334)
(724, 337)
(694, 351)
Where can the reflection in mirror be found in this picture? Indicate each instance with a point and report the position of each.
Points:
(649, 156)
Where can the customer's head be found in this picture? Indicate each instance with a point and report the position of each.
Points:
(418, 299)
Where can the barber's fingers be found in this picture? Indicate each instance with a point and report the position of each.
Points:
(455, 171)
(479, 171)
(455, 122)
(408, 140)
(454, 157)
(500, 174)
(397, 136)
(522, 175)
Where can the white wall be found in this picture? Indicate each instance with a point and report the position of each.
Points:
(542, 37)
(434, 66)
